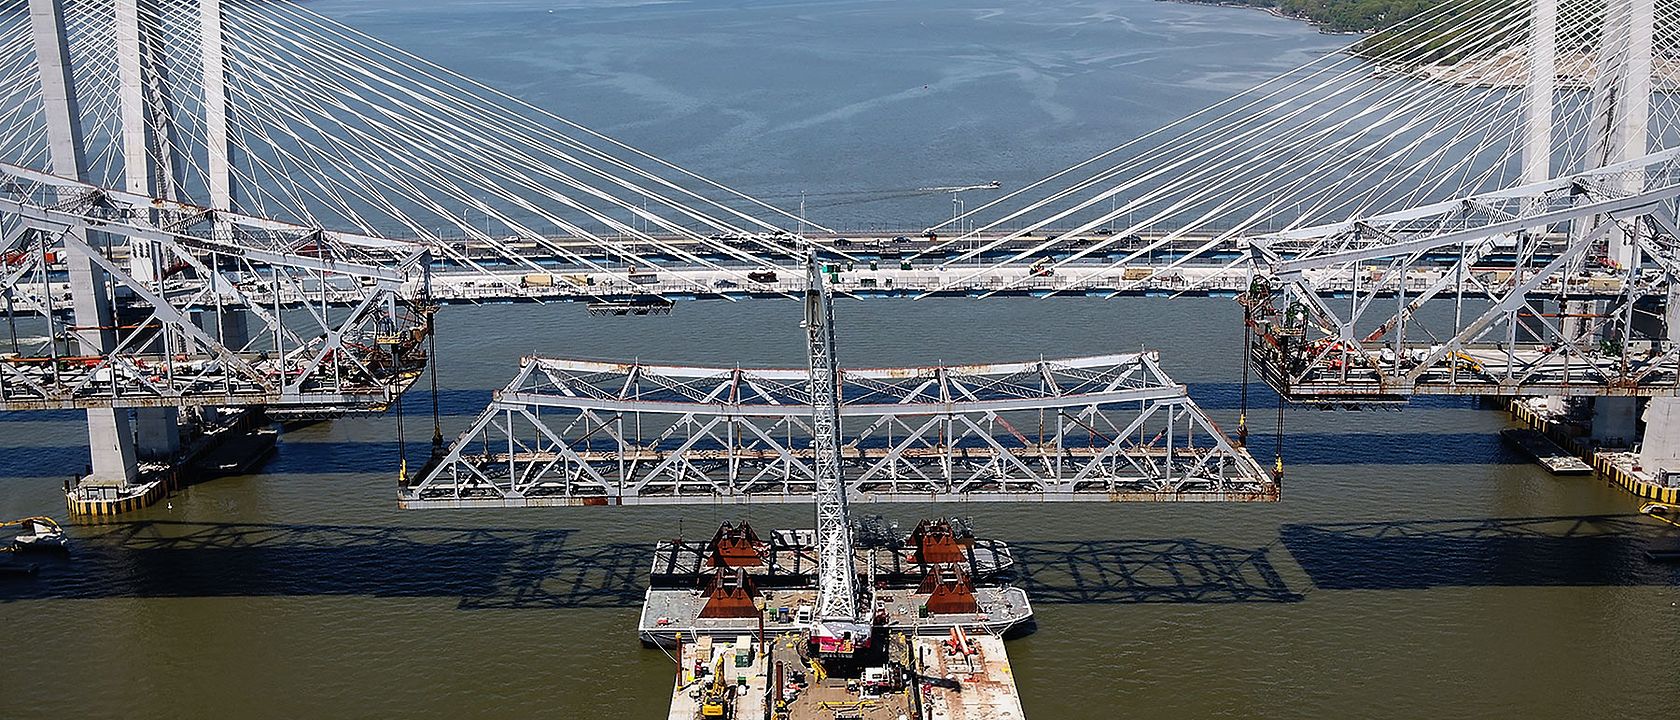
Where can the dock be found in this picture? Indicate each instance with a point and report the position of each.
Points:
(1544, 452)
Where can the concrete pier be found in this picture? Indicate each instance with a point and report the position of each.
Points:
(1621, 467)
(224, 442)
(1615, 421)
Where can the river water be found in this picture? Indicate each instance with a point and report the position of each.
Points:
(1414, 568)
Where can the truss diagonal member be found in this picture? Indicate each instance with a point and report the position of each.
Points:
(159, 353)
(1288, 267)
(1515, 293)
(758, 446)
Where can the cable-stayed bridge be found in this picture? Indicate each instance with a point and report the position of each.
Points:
(218, 203)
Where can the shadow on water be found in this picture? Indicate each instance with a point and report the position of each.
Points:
(1146, 571)
(183, 559)
(535, 569)
(1586, 550)
(522, 568)
(1390, 449)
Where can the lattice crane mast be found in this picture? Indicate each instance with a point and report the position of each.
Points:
(836, 628)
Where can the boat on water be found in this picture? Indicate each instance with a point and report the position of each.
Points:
(39, 534)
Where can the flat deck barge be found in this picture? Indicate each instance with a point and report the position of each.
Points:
(1544, 452)
(930, 678)
(671, 614)
(738, 613)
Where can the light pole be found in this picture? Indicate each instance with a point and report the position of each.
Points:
(957, 205)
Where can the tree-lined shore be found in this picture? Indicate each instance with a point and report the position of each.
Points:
(1342, 16)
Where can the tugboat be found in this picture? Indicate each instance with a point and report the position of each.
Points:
(41, 534)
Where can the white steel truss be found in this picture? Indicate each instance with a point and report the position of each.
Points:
(1494, 294)
(1105, 428)
(250, 311)
(837, 593)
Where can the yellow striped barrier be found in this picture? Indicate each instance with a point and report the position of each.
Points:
(1601, 462)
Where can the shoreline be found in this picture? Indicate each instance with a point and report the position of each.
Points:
(1274, 11)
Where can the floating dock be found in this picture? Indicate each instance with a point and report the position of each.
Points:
(1544, 452)
(778, 575)
(979, 685)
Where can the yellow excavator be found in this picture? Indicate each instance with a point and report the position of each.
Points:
(717, 697)
(39, 533)
(1663, 511)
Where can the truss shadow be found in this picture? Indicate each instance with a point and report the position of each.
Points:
(185, 559)
(1586, 550)
(533, 569)
(1399, 448)
(1179, 570)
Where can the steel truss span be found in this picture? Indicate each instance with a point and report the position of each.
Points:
(1106, 428)
(1379, 308)
(233, 310)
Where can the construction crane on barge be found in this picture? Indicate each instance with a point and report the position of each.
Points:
(837, 631)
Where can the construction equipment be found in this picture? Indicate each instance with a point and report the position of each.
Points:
(717, 697)
(1662, 511)
(837, 630)
(40, 533)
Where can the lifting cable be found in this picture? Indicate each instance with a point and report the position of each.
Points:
(402, 447)
(431, 337)
(1242, 402)
(402, 441)
(1277, 466)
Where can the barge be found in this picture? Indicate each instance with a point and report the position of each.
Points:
(737, 612)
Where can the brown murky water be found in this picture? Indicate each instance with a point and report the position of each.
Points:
(1415, 567)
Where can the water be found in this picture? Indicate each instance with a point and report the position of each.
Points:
(779, 97)
(1415, 568)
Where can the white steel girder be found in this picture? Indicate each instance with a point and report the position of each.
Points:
(1105, 428)
(1452, 298)
(340, 316)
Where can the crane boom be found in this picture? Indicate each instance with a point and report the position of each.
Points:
(836, 627)
(45, 522)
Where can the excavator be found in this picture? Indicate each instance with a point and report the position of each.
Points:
(1665, 512)
(39, 533)
(717, 696)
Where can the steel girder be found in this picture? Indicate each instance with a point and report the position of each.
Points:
(1107, 428)
(250, 311)
(1505, 293)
